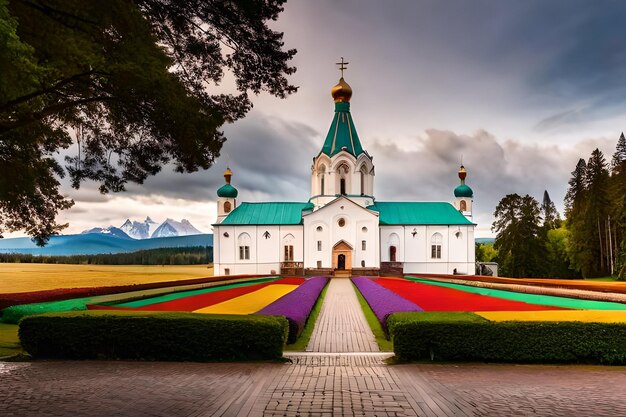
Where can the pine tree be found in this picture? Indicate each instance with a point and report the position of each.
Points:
(596, 215)
(575, 208)
(618, 162)
(617, 195)
(517, 228)
(551, 217)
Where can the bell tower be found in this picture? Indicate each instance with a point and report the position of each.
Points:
(464, 196)
(226, 197)
(342, 167)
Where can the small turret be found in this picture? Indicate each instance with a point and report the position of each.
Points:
(464, 195)
(227, 195)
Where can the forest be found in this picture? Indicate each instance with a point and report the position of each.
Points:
(193, 255)
(533, 241)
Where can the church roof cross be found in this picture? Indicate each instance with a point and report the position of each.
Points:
(342, 66)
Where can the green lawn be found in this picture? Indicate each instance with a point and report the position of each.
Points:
(9, 342)
(302, 342)
(384, 344)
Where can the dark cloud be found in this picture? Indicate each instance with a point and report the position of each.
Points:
(269, 157)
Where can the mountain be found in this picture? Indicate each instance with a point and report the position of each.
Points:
(111, 230)
(149, 229)
(485, 240)
(171, 227)
(94, 243)
(139, 230)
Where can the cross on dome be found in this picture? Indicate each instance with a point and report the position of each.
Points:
(342, 66)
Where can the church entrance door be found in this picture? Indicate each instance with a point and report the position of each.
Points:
(341, 262)
(342, 256)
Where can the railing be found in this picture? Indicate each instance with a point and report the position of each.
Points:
(292, 268)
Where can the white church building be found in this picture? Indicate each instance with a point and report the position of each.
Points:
(343, 229)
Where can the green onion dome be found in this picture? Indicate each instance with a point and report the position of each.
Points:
(227, 191)
(463, 191)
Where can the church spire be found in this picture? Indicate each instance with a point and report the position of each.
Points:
(342, 135)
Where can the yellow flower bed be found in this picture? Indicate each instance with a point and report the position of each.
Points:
(589, 316)
(250, 303)
(37, 277)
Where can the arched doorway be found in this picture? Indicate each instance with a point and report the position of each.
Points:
(392, 253)
(342, 256)
(341, 261)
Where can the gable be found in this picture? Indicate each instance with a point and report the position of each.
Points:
(336, 205)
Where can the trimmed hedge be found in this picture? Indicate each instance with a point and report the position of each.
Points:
(153, 336)
(468, 337)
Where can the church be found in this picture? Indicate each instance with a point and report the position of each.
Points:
(342, 229)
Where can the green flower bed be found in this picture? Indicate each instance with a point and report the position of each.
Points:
(469, 337)
(153, 336)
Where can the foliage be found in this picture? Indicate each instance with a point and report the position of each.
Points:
(551, 217)
(296, 306)
(588, 210)
(382, 301)
(558, 263)
(467, 337)
(153, 336)
(129, 83)
(485, 252)
(192, 255)
(517, 223)
(9, 342)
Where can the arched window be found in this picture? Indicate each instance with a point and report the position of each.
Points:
(288, 247)
(243, 241)
(343, 174)
(321, 172)
(463, 205)
(363, 179)
(435, 246)
(394, 243)
(227, 207)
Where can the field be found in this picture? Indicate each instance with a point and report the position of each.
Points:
(36, 277)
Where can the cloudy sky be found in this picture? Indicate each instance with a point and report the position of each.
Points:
(519, 90)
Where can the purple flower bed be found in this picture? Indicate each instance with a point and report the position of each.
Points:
(297, 305)
(382, 301)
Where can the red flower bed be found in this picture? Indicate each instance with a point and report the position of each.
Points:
(11, 299)
(434, 298)
(199, 301)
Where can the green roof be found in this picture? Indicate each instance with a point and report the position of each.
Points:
(463, 191)
(227, 190)
(266, 213)
(418, 213)
(342, 133)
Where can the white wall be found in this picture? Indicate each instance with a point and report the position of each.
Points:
(266, 254)
(356, 217)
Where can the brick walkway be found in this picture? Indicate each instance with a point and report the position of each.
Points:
(314, 385)
(341, 325)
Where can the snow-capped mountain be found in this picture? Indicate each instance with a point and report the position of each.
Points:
(148, 229)
(171, 227)
(139, 230)
(111, 230)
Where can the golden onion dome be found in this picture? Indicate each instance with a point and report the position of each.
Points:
(342, 92)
